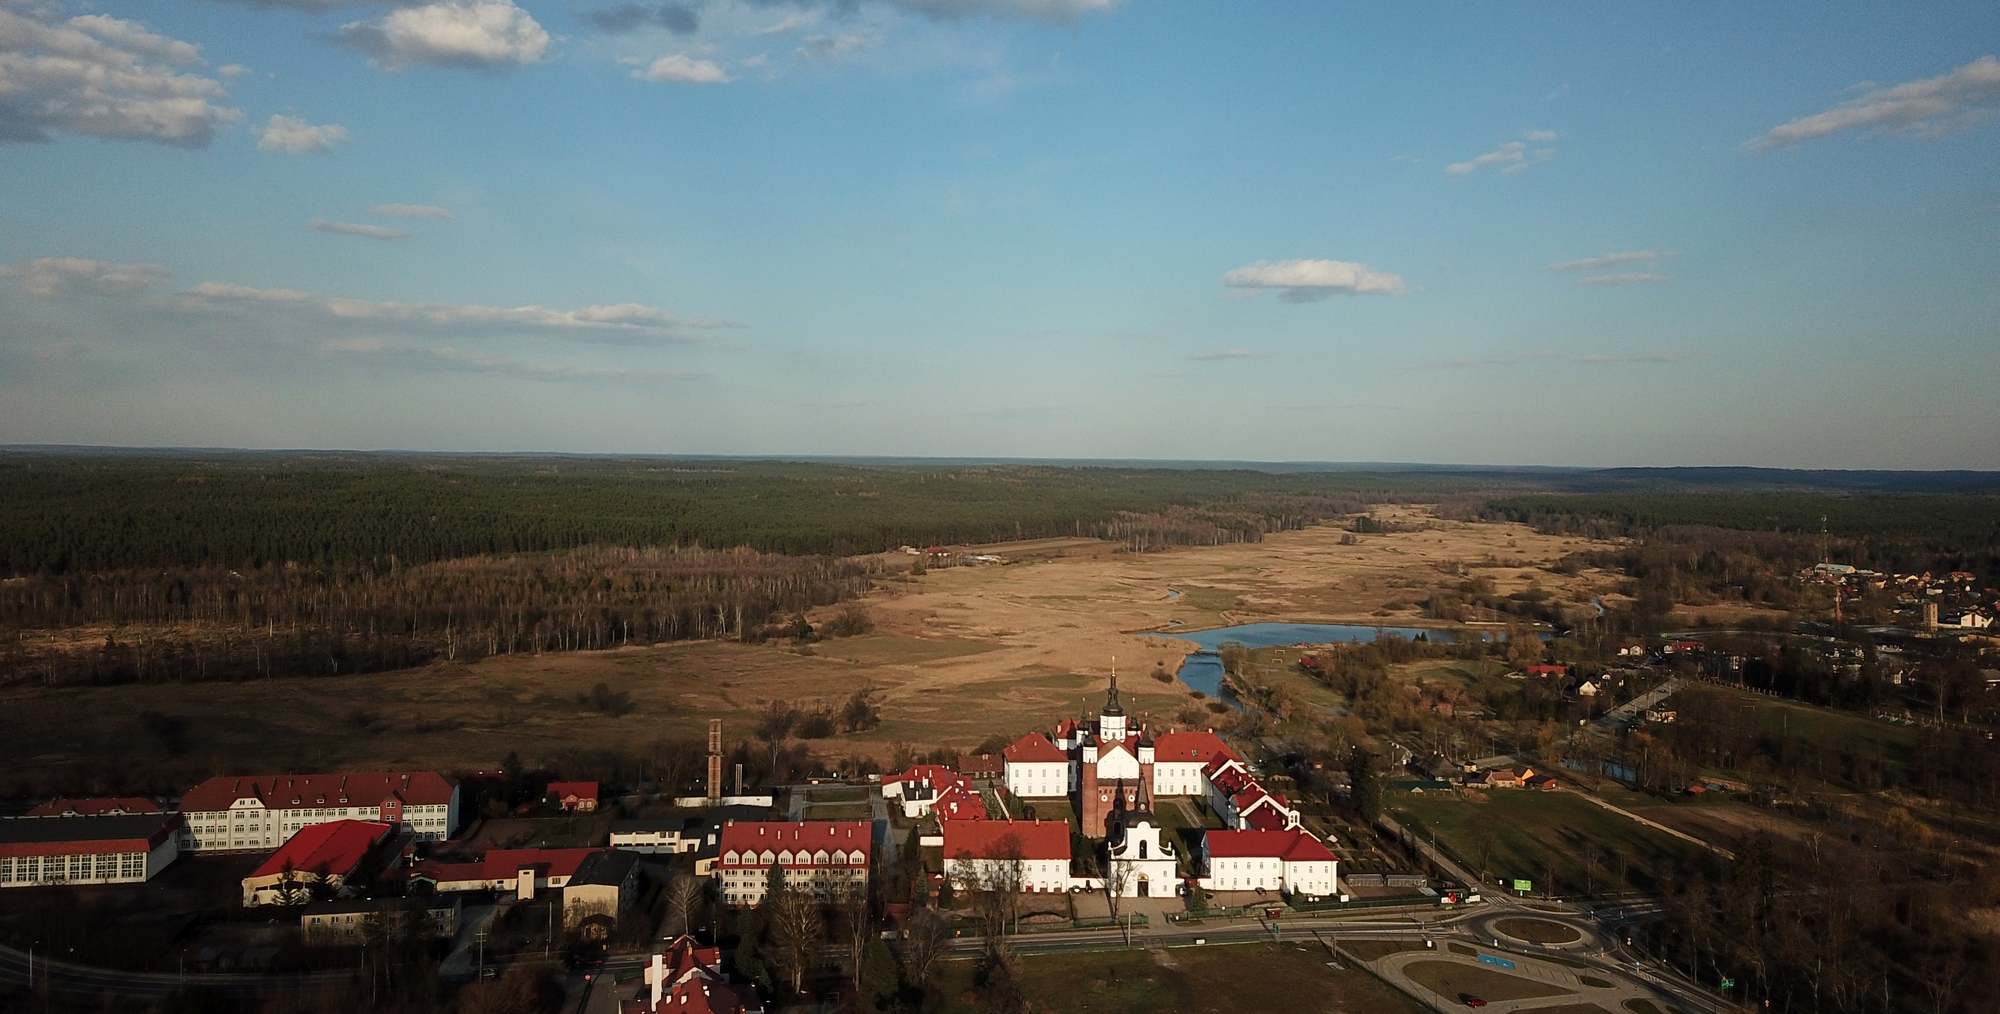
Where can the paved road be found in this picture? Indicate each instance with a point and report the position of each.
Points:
(1628, 712)
(65, 977)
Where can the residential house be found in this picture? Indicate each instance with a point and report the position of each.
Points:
(687, 978)
(575, 797)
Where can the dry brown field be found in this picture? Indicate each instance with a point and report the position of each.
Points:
(959, 654)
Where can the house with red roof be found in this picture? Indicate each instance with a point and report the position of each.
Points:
(320, 854)
(687, 978)
(522, 872)
(233, 814)
(109, 807)
(575, 797)
(1292, 861)
(111, 849)
(1179, 759)
(928, 787)
(826, 858)
(1036, 768)
(979, 852)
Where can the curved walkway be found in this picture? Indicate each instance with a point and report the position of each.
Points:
(1616, 989)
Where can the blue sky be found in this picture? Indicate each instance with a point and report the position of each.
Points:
(1491, 233)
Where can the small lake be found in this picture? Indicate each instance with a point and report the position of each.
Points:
(1203, 670)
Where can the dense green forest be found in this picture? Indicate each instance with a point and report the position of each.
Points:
(1881, 531)
(72, 513)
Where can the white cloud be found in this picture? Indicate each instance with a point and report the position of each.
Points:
(1628, 278)
(836, 47)
(232, 71)
(294, 136)
(1611, 260)
(678, 67)
(354, 229)
(479, 34)
(623, 322)
(791, 22)
(70, 277)
(1512, 152)
(1927, 106)
(1512, 157)
(1302, 281)
(411, 210)
(1225, 354)
(105, 77)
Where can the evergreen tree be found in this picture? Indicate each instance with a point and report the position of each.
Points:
(1364, 792)
(879, 977)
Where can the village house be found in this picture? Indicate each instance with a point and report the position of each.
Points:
(232, 814)
(1031, 853)
(1293, 861)
(575, 797)
(825, 858)
(687, 978)
(928, 788)
(121, 849)
(320, 858)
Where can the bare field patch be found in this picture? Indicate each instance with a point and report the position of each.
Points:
(959, 654)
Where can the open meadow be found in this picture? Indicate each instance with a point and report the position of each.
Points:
(958, 655)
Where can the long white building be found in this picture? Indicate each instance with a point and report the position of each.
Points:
(231, 814)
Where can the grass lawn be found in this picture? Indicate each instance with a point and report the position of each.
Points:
(1284, 978)
(1539, 931)
(1536, 833)
(837, 811)
(1449, 979)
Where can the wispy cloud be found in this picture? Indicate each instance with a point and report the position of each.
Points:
(104, 77)
(1226, 354)
(683, 69)
(791, 22)
(294, 136)
(1544, 356)
(1304, 281)
(629, 323)
(1627, 278)
(410, 210)
(67, 278)
(1930, 106)
(1512, 157)
(357, 229)
(477, 34)
(836, 47)
(1611, 260)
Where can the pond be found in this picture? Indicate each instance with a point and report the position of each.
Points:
(1203, 670)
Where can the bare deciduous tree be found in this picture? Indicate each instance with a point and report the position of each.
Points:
(797, 931)
(926, 940)
(684, 903)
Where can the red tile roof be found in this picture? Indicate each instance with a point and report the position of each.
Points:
(936, 776)
(505, 863)
(959, 803)
(778, 836)
(1189, 747)
(698, 996)
(94, 807)
(993, 839)
(1296, 845)
(1035, 748)
(335, 847)
(581, 790)
(371, 788)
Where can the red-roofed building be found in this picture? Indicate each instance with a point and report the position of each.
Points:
(1289, 860)
(1037, 768)
(112, 849)
(1178, 760)
(926, 787)
(1556, 671)
(959, 802)
(827, 858)
(688, 979)
(521, 871)
(94, 807)
(576, 797)
(979, 851)
(231, 814)
(983, 765)
(325, 854)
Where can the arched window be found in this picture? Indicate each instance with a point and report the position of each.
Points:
(1142, 850)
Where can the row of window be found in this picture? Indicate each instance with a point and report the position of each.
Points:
(51, 869)
(787, 858)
